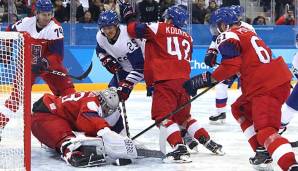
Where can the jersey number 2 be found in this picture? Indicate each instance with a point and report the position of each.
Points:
(176, 51)
(259, 49)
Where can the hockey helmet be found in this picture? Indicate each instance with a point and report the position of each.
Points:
(108, 18)
(44, 6)
(178, 14)
(222, 15)
(239, 10)
(109, 100)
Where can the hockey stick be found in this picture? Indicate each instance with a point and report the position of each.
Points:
(150, 153)
(178, 109)
(294, 144)
(123, 109)
(81, 77)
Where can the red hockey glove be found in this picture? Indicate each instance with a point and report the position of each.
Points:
(210, 57)
(124, 89)
(111, 64)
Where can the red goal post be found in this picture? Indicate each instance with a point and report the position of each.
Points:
(15, 101)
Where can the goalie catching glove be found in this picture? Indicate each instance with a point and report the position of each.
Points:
(83, 152)
(111, 64)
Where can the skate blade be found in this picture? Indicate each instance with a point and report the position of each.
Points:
(94, 164)
(218, 122)
(194, 150)
(263, 167)
(219, 152)
(183, 159)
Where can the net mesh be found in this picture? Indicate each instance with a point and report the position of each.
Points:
(12, 101)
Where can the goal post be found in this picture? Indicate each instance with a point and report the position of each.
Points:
(15, 101)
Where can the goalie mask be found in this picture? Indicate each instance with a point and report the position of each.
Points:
(109, 101)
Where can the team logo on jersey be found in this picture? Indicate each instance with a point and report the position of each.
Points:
(36, 53)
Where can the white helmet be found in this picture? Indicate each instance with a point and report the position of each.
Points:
(109, 100)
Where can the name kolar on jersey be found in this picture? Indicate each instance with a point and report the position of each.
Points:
(174, 30)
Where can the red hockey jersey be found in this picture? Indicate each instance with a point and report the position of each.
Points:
(168, 51)
(245, 53)
(82, 107)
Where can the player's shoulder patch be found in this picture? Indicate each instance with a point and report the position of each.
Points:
(226, 36)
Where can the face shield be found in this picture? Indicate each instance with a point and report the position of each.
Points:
(213, 29)
(106, 110)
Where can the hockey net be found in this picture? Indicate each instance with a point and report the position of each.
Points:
(15, 101)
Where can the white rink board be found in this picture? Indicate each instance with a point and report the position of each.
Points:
(138, 110)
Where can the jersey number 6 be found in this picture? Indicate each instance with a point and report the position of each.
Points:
(259, 49)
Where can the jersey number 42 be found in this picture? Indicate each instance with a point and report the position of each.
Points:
(176, 49)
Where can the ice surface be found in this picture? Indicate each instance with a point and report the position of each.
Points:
(138, 110)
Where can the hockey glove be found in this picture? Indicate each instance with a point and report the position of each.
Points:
(127, 12)
(230, 81)
(124, 89)
(200, 81)
(210, 57)
(150, 90)
(41, 66)
(111, 64)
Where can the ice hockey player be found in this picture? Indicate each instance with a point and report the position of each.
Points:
(258, 109)
(120, 55)
(94, 113)
(168, 51)
(47, 52)
(221, 89)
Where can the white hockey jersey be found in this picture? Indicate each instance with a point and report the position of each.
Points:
(52, 31)
(127, 51)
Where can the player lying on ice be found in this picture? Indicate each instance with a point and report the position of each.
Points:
(94, 113)
(265, 85)
(168, 50)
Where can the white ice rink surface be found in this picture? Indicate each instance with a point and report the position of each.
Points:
(138, 111)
